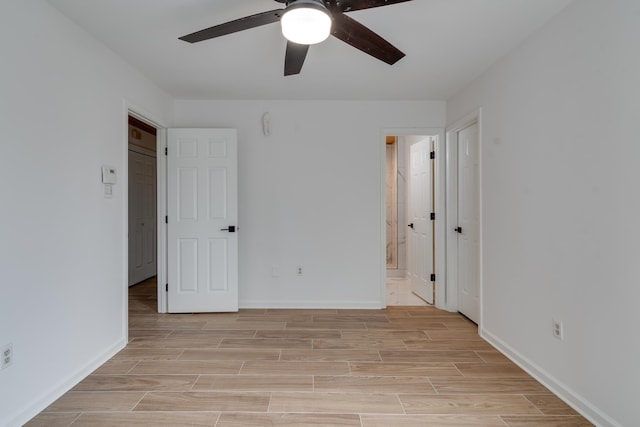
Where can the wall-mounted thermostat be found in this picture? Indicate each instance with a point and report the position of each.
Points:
(109, 175)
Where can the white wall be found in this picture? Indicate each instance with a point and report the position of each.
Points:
(560, 173)
(62, 245)
(310, 194)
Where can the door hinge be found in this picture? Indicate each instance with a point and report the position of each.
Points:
(433, 216)
(166, 219)
(166, 288)
(433, 277)
(166, 151)
(432, 155)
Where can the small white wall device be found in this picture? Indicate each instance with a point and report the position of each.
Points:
(108, 179)
(109, 175)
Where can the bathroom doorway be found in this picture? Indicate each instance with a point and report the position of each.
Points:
(408, 254)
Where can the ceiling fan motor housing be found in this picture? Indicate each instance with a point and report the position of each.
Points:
(306, 21)
(319, 3)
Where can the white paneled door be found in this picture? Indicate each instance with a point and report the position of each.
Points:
(420, 224)
(202, 199)
(468, 223)
(142, 217)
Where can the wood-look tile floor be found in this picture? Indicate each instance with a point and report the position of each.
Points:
(404, 366)
(399, 293)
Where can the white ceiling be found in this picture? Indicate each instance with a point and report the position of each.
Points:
(448, 43)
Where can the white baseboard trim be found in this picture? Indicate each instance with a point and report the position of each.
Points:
(311, 304)
(51, 395)
(564, 392)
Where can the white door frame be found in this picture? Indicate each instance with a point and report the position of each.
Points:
(452, 209)
(440, 229)
(130, 109)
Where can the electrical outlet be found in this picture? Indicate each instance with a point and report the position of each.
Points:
(299, 271)
(557, 329)
(6, 356)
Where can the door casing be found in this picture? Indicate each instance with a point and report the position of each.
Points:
(440, 225)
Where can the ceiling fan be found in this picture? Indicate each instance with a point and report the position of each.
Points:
(307, 22)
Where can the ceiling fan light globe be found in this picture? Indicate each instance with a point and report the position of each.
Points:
(307, 24)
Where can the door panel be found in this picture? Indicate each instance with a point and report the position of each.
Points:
(218, 269)
(202, 203)
(421, 235)
(469, 221)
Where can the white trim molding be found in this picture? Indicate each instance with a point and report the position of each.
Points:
(564, 392)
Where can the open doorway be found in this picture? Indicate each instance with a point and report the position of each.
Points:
(142, 216)
(142, 212)
(411, 231)
(398, 283)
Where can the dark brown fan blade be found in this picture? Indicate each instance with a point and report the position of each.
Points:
(349, 5)
(357, 35)
(230, 27)
(294, 58)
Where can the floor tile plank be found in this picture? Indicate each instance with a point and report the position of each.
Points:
(432, 421)
(474, 345)
(130, 353)
(212, 334)
(256, 326)
(423, 356)
(230, 354)
(491, 370)
(258, 367)
(171, 342)
(52, 419)
(254, 383)
(331, 355)
(547, 421)
(336, 403)
(359, 344)
(148, 419)
(472, 404)
(81, 401)
(115, 367)
(188, 367)
(326, 325)
(383, 334)
(404, 369)
(288, 420)
(266, 343)
(299, 334)
(369, 384)
(550, 404)
(204, 401)
(488, 385)
(136, 382)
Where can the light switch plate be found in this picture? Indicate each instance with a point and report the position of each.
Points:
(108, 191)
